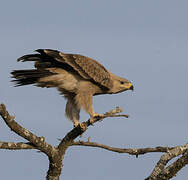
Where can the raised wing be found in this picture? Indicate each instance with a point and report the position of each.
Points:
(84, 66)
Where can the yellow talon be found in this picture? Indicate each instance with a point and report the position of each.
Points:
(96, 115)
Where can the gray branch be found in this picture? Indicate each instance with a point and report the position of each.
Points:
(131, 151)
(16, 146)
(56, 154)
(162, 173)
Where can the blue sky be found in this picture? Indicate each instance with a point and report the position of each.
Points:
(145, 41)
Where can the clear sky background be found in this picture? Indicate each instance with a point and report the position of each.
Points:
(145, 41)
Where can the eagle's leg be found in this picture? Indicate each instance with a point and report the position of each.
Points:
(84, 100)
(72, 111)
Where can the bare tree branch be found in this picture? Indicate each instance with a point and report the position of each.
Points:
(38, 142)
(176, 166)
(56, 154)
(165, 158)
(79, 130)
(16, 146)
(131, 151)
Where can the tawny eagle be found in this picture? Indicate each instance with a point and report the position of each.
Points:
(75, 76)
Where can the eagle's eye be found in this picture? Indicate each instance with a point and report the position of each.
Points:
(121, 82)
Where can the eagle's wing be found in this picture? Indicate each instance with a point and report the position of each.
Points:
(86, 67)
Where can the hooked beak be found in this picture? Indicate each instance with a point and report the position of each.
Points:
(131, 87)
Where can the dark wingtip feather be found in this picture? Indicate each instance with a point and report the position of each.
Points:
(43, 54)
(29, 57)
(41, 51)
(20, 59)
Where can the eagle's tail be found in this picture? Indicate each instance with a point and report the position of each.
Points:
(30, 76)
(42, 63)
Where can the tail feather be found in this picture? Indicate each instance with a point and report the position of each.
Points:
(42, 62)
(30, 76)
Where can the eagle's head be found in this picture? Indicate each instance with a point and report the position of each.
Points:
(120, 84)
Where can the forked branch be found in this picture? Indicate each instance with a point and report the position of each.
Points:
(161, 172)
(56, 154)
